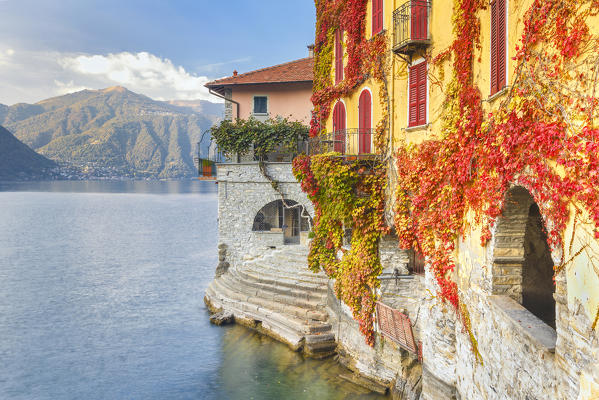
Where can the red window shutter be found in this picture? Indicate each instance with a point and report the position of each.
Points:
(419, 20)
(377, 16)
(417, 95)
(493, 47)
(339, 127)
(364, 106)
(338, 56)
(380, 17)
(501, 39)
(413, 97)
(422, 93)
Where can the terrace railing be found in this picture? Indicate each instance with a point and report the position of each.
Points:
(411, 29)
(355, 143)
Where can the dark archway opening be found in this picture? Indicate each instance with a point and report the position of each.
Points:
(537, 272)
(289, 218)
(522, 263)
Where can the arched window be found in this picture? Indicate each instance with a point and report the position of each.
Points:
(365, 123)
(522, 263)
(339, 127)
(288, 218)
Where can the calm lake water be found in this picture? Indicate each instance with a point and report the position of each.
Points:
(101, 297)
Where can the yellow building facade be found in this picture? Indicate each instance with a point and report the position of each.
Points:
(563, 359)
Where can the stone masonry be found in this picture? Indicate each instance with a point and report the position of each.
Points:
(242, 192)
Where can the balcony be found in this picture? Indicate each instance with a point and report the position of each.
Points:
(352, 144)
(411, 27)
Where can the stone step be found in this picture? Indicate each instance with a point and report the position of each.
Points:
(281, 281)
(232, 291)
(250, 312)
(301, 270)
(301, 298)
(219, 293)
(301, 291)
(269, 276)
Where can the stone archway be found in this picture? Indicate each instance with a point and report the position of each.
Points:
(289, 218)
(522, 263)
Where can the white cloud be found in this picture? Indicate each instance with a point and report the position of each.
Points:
(32, 76)
(142, 72)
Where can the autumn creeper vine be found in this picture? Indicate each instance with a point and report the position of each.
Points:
(543, 137)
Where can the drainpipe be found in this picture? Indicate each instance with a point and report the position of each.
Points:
(224, 98)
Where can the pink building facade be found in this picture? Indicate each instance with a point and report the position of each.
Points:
(282, 90)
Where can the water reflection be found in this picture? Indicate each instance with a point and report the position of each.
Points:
(129, 186)
(257, 367)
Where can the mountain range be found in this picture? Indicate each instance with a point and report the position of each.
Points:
(17, 161)
(115, 129)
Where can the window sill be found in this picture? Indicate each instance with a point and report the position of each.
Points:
(381, 32)
(541, 334)
(416, 128)
(503, 91)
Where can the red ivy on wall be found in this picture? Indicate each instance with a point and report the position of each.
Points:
(543, 137)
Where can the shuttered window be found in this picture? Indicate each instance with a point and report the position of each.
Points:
(339, 127)
(377, 16)
(417, 95)
(419, 20)
(498, 51)
(338, 56)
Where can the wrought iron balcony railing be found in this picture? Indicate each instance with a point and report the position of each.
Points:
(356, 143)
(411, 26)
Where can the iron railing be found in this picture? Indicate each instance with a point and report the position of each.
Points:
(347, 142)
(411, 26)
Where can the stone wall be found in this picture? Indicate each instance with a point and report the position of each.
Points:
(386, 363)
(521, 357)
(242, 192)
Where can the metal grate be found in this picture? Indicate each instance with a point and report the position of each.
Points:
(396, 326)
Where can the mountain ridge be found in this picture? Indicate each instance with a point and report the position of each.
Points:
(18, 161)
(114, 128)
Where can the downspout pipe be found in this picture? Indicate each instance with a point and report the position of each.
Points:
(225, 99)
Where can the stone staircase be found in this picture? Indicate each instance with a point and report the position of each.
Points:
(277, 294)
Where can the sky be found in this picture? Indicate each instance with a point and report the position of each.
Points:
(165, 49)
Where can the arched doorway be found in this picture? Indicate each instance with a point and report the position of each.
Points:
(522, 263)
(339, 127)
(289, 218)
(365, 124)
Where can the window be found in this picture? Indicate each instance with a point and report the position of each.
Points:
(417, 105)
(338, 56)
(377, 16)
(498, 38)
(260, 105)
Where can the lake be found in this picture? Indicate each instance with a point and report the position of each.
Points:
(101, 297)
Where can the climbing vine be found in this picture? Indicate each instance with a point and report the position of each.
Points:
(243, 135)
(366, 58)
(543, 136)
(346, 195)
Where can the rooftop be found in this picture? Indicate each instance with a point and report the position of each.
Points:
(294, 71)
